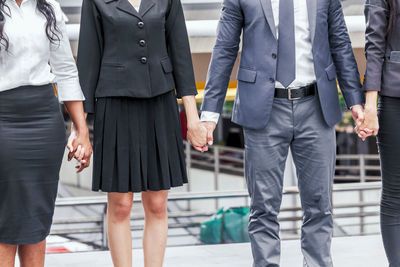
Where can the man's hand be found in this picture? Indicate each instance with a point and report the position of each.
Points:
(358, 115)
(210, 126)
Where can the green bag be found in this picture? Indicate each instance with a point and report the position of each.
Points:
(227, 225)
(211, 230)
(236, 222)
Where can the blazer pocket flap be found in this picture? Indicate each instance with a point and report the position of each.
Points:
(331, 72)
(247, 75)
(166, 65)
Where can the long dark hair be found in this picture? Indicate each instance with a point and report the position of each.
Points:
(52, 30)
(392, 17)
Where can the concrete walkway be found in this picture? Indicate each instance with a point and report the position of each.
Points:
(366, 251)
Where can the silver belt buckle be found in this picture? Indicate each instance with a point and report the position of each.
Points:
(290, 95)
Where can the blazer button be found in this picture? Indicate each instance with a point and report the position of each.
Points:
(272, 80)
(142, 42)
(274, 56)
(140, 24)
(143, 60)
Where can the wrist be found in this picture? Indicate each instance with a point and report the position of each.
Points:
(210, 122)
(192, 126)
(82, 131)
(355, 107)
(371, 100)
(370, 107)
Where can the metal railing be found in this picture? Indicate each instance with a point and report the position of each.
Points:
(222, 159)
(356, 212)
(85, 225)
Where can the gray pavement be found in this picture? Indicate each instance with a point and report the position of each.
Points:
(364, 251)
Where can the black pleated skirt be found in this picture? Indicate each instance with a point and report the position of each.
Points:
(32, 138)
(138, 144)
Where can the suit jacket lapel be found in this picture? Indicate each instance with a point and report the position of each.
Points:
(127, 7)
(312, 17)
(267, 9)
(145, 6)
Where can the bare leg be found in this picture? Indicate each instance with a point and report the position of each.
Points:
(119, 228)
(7, 255)
(156, 227)
(32, 255)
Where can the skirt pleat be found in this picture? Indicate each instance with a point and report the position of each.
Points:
(122, 150)
(138, 145)
(109, 148)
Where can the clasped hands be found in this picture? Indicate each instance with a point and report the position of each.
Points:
(200, 135)
(366, 120)
(80, 148)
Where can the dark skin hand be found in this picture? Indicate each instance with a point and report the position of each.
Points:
(78, 143)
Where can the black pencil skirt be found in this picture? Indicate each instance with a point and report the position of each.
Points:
(138, 144)
(32, 139)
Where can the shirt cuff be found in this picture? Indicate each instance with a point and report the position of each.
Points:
(69, 90)
(209, 116)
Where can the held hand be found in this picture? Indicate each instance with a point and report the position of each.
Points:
(197, 136)
(80, 148)
(370, 125)
(70, 146)
(359, 118)
(210, 126)
(357, 112)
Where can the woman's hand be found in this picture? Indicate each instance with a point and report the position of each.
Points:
(78, 143)
(197, 136)
(371, 120)
(80, 147)
(71, 138)
(197, 132)
(370, 126)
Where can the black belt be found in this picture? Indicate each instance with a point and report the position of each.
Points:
(295, 94)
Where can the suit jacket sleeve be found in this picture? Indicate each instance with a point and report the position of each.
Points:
(343, 57)
(179, 51)
(376, 15)
(224, 55)
(89, 52)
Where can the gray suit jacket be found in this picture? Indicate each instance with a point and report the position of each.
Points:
(383, 55)
(332, 51)
(142, 54)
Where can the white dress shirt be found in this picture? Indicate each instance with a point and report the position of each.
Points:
(305, 73)
(135, 4)
(31, 59)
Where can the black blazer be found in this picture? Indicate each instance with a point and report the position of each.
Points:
(383, 53)
(125, 53)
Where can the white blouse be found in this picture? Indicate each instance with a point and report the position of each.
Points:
(135, 4)
(31, 58)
